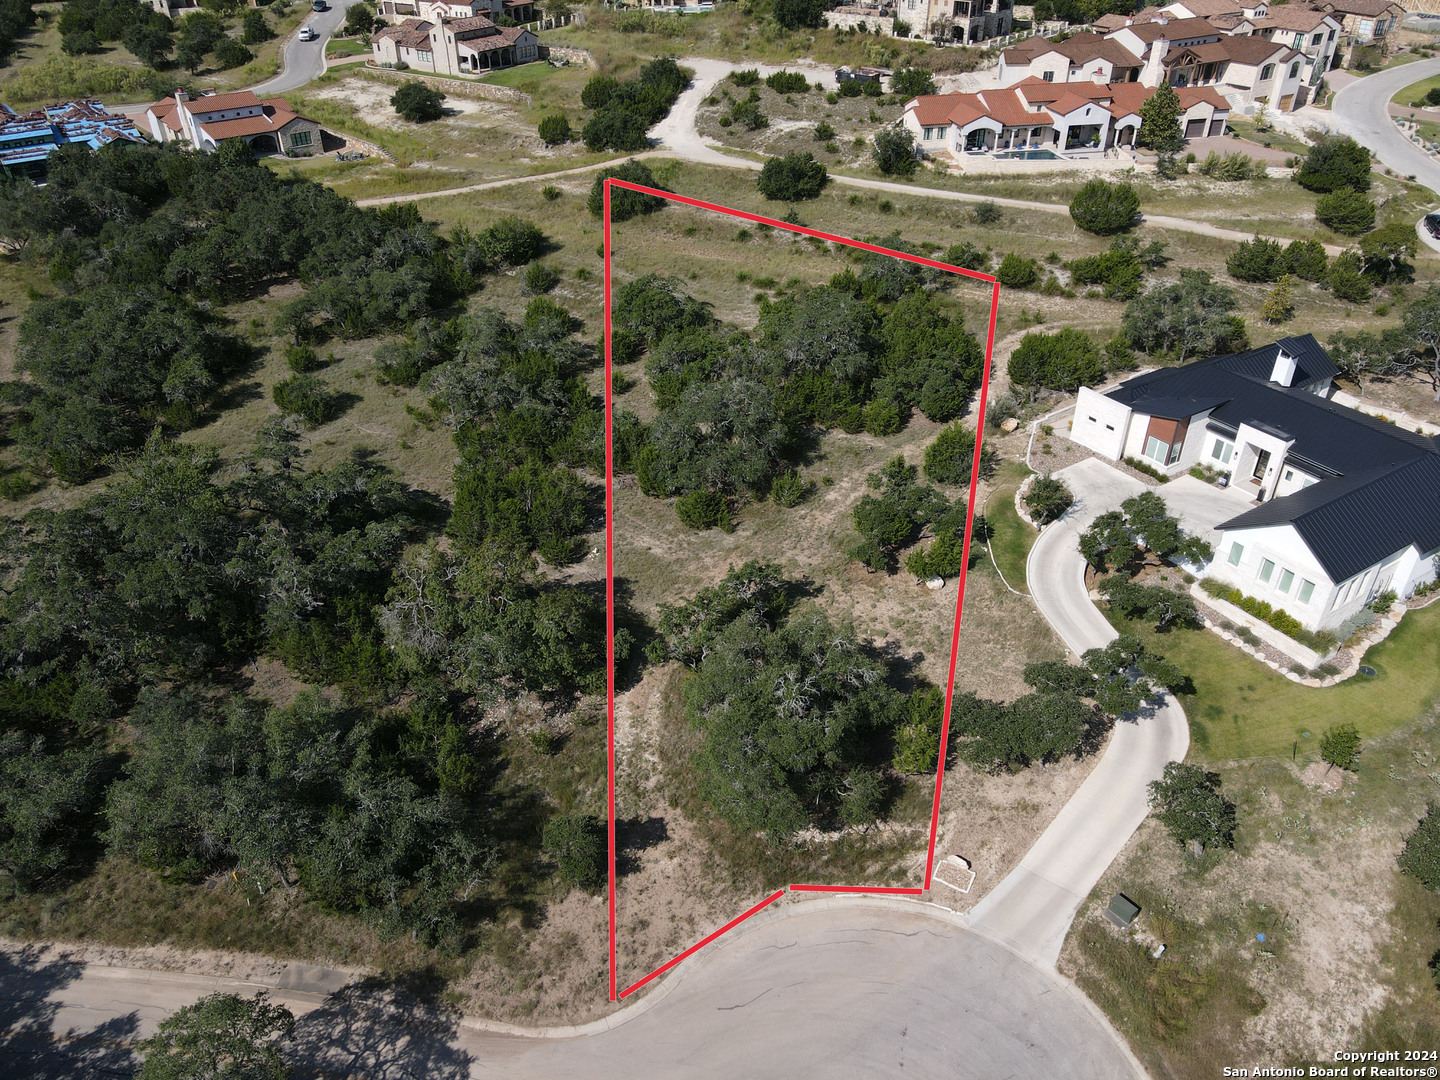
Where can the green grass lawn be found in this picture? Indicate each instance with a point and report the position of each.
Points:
(1242, 709)
(345, 47)
(1415, 91)
(1011, 539)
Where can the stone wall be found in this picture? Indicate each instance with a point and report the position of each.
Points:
(571, 56)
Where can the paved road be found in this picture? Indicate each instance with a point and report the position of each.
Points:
(837, 989)
(304, 61)
(1360, 110)
(1032, 909)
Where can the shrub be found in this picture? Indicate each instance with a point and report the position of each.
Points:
(306, 396)
(1334, 163)
(917, 739)
(1231, 167)
(418, 102)
(230, 53)
(1047, 499)
(540, 279)
(1420, 858)
(747, 77)
(1279, 306)
(824, 132)
(1306, 259)
(1165, 607)
(578, 844)
(1064, 360)
(1382, 604)
(851, 88)
(1016, 272)
(881, 417)
(944, 558)
(1257, 260)
(81, 43)
(790, 490)
(986, 212)
(555, 130)
(624, 203)
(969, 256)
(511, 241)
(1346, 211)
(704, 510)
(550, 193)
(787, 82)
(1346, 280)
(301, 358)
(950, 457)
(749, 114)
(792, 177)
(1340, 746)
(1103, 208)
(894, 151)
(912, 82)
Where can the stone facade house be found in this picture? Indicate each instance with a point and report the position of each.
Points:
(268, 125)
(472, 45)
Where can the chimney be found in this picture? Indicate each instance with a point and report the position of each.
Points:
(180, 96)
(1283, 372)
(1153, 74)
(1163, 18)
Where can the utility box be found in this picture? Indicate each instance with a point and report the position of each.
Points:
(1122, 910)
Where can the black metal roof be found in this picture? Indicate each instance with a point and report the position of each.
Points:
(1379, 490)
(1352, 522)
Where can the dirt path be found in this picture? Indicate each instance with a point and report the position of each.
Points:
(678, 138)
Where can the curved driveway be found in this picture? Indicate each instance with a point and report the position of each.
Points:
(304, 61)
(1031, 910)
(836, 988)
(1361, 110)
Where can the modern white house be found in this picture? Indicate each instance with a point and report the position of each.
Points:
(1347, 505)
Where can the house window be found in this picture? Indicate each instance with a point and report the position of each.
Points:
(1236, 551)
(1316, 39)
(300, 138)
(424, 56)
(1286, 580)
(1048, 76)
(1221, 451)
(1090, 418)
(1267, 568)
(1295, 69)
(1156, 450)
(1289, 474)
(1307, 590)
(1267, 72)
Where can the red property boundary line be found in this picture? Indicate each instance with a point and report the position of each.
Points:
(670, 196)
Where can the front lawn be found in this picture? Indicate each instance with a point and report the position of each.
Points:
(1011, 539)
(1242, 709)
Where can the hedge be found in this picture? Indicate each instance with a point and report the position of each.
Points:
(1283, 621)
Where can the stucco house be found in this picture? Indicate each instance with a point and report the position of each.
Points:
(1156, 46)
(268, 125)
(1059, 119)
(467, 46)
(1346, 507)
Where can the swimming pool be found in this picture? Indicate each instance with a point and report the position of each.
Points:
(1029, 155)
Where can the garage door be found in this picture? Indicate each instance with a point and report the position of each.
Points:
(1194, 129)
(1217, 127)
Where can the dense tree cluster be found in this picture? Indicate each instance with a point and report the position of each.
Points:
(1183, 319)
(16, 17)
(145, 239)
(1120, 270)
(794, 710)
(1064, 360)
(625, 111)
(859, 353)
(1412, 346)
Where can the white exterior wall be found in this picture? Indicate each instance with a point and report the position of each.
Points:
(1107, 431)
(1282, 546)
(1293, 479)
(1135, 441)
(1055, 63)
(1250, 442)
(942, 138)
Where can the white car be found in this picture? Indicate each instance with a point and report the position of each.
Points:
(306, 34)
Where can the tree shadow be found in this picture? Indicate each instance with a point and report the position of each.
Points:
(30, 1043)
(381, 1028)
(634, 836)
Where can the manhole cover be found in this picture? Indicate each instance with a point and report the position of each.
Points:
(1366, 669)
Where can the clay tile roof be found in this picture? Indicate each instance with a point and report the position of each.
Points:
(1254, 50)
(1206, 9)
(1067, 104)
(1174, 30)
(469, 22)
(1128, 97)
(240, 99)
(277, 115)
(965, 112)
(167, 113)
(932, 109)
(1291, 18)
(1365, 7)
(1190, 96)
(1006, 107)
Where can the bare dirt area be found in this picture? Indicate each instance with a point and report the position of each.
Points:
(1303, 940)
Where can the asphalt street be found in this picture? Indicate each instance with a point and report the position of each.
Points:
(1360, 111)
(304, 61)
(835, 988)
